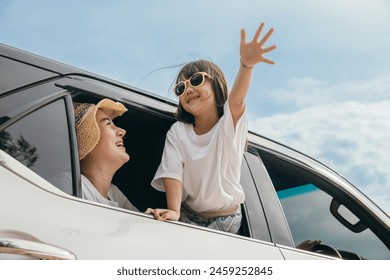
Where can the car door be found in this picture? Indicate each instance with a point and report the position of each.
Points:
(320, 205)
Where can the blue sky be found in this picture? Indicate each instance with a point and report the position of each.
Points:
(328, 95)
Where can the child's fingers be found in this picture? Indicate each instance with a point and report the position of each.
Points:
(266, 50)
(266, 37)
(243, 36)
(265, 60)
(258, 32)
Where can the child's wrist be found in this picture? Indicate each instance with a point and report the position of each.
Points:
(245, 65)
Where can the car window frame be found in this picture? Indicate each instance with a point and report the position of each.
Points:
(276, 220)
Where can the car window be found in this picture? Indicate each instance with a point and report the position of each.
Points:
(307, 209)
(10, 77)
(40, 141)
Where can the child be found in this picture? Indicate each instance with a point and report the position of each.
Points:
(201, 163)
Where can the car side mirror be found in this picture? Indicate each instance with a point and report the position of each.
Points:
(345, 216)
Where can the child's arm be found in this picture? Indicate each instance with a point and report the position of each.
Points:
(173, 189)
(251, 53)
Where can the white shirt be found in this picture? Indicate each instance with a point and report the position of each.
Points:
(116, 197)
(208, 165)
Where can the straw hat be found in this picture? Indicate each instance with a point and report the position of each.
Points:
(88, 133)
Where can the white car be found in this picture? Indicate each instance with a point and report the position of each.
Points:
(289, 196)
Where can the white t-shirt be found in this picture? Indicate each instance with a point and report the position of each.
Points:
(208, 165)
(116, 197)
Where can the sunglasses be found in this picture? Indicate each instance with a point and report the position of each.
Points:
(196, 80)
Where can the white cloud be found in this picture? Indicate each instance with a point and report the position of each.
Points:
(352, 138)
(306, 92)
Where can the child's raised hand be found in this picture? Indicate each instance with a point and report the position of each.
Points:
(252, 52)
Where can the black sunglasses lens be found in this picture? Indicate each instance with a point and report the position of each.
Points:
(196, 80)
(179, 89)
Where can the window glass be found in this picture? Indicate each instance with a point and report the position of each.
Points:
(307, 209)
(10, 74)
(41, 142)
